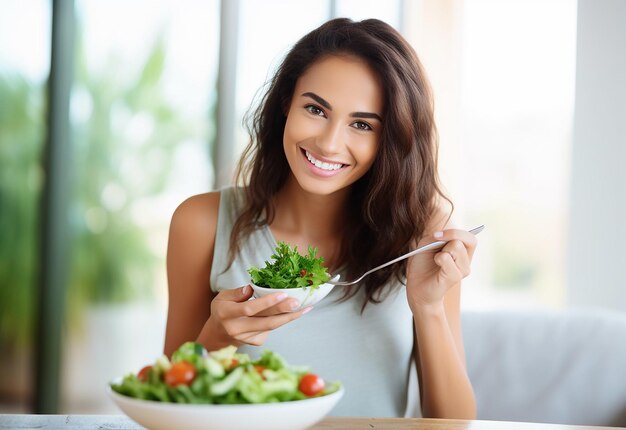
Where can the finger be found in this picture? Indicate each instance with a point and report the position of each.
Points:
(460, 255)
(257, 324)
(225, 309)
(469, 240)
(252, 308)
(287, 305)
(256, 339)
(236, 294)
(448, 269)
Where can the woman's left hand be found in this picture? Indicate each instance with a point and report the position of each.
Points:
(431, 274)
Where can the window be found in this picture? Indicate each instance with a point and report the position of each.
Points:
(141, 115)
(503, 76)
(24, 67)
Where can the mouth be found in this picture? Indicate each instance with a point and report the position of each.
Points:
(325, 165)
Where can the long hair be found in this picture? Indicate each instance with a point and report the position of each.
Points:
(396, 198)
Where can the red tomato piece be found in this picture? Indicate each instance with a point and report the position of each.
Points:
(181, 373)
(260, 370)
(311, 384)
(143, 373)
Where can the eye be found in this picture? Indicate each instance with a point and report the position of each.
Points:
(360, 125)
(315, 110)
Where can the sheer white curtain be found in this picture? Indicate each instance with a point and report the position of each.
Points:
(503, 77)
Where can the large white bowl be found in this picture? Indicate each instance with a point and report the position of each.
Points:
(294, 415)
(306, 296)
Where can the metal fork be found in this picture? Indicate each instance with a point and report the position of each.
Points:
(430, 247)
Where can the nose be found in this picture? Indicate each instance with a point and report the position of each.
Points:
(329, 140)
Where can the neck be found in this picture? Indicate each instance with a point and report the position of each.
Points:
(307, 214)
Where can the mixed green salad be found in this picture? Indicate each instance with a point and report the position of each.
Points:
(290, 269)
(222, 377)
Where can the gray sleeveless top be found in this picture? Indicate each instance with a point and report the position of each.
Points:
(369, 352)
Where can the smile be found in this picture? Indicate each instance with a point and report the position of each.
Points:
(322, 164)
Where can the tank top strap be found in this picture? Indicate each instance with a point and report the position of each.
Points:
(257, 248)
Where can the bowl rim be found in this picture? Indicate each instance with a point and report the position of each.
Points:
(114, 394)
(324, 285)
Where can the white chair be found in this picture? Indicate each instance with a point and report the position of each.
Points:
(566, 367)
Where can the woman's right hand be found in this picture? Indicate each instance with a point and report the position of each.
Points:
(235, 320)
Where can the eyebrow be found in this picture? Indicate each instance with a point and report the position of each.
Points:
(329, 107)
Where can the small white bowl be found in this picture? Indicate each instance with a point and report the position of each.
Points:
(294, 415)
(307, 296)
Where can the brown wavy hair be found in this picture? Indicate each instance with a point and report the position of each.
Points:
(396, 198)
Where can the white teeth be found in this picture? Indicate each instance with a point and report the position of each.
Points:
(322, 165)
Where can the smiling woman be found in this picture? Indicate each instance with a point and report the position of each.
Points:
(324, 136)
(345, 164)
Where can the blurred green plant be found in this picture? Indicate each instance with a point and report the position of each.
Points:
(21, 133)
(125, 132)
(125, 135)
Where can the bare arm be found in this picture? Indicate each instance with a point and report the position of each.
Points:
(195, 312)
(434, 290)
(189, 259)
(446, 389)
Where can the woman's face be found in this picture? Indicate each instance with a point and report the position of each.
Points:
(334, 124)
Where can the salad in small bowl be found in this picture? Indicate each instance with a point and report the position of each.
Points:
(302, 277)
(197, 389)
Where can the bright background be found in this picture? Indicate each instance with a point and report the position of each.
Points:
(143, 106)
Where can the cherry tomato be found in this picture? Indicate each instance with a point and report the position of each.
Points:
(311, 384)
(181, 373)
(260, 370)
(144, 373)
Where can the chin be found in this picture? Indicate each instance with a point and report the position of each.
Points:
(320, 188)
(317, 189)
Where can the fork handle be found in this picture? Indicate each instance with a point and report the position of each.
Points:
(431, 246)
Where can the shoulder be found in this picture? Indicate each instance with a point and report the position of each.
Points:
(198, 209)
(196, 216)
